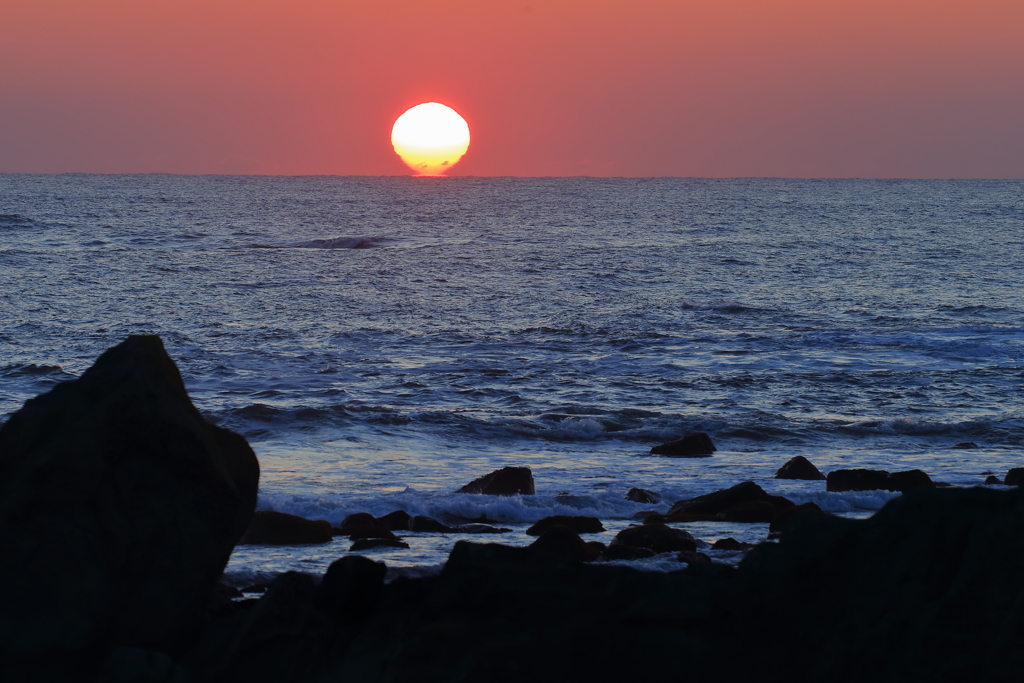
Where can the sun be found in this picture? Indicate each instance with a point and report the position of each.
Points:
(430, 138)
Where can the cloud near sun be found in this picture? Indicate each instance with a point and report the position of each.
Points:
(430, 138)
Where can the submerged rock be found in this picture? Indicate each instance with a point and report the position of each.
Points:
(690, 446)
(508, 481)
(371, 543)
(643, 496)
(745, 502)
(420, 523)
(269, 527)
(121, 505)
(799, 467)
(580, 525)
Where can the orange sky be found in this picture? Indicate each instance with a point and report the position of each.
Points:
(719, 88)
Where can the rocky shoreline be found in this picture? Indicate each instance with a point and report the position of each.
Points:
(120, 505)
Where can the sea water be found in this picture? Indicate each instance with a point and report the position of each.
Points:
(382, 341)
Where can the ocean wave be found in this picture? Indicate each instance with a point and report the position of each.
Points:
(34, 370)
(330, 243)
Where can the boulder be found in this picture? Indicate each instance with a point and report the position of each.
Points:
(371, 543)
(745, 502)
(643, 496)
(782, 520)
(870, 480)
(508, 481)
(731, 544)
(396, 521)
(626, 552)
(690, 446)
(420, 523)
(799, 467)
(121, 505)
(269, 527)
(992, 480)
(660, 538)
(562, 543)
(692, 557)
(580, 525)
(364, 525)
(1014, 477)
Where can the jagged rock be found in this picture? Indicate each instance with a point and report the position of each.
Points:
(799, 467)
(426, 524)
(396, 521)
(690, 446)
(119, 508)
(745, 502)
(371, 543)
(660, 538)
(563, 543)
(870, 480)
(269, 527)
(580, 525)
(643, 496)
(508, 481)
(1014, 477)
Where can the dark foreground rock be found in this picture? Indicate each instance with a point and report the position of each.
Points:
(580, 525)
(268, 527)
(1014, 477)
(660, 538)
(745, 502)
(870, 480)
(119, 508)
(508, 481)
(799, 467)
(690, 446)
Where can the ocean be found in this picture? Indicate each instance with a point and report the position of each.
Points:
(382, 341)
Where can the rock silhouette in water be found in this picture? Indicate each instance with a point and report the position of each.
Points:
(508, 481)
(690, 446)
(871, 480)
(745, 502)
(119, 508)
(579, 525)
(799, 468)
(269, 527)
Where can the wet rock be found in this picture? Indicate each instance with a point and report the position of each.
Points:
(562, 543)
(690, 446)
(871, 480)
(626, 552)
(660, 538)
(643, 515)
(364, 525)
(420, 523)
(966, 444)
(479, 529)
(643, 496)
(1014, 477)
(269, 527)
(121, 505)
(799, 467)
(508, 481)
(992, 480)
(693, 557)
(579, 525)
(731, 544)
(745, 502)
(396, 521)
(783, 519)
(371, 543)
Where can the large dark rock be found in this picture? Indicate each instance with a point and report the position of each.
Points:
(364, 525)
(421, 523)
(580, 525)
(1014, 477)
(870, 480)
(643, 496)
(269, 527)
(690, 446)
(562, 543)
(119, 508)
(508, 481)
(396, 521)
(799, 467)
(660, 538)
(745, 502)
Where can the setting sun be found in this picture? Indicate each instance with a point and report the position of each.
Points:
(430, 138)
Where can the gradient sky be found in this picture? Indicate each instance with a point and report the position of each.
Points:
(716, 88)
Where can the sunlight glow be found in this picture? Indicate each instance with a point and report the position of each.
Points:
(430, 138)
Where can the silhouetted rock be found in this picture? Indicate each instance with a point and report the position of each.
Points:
(657, 537)
(992, 480)
(643, 496)
(364, 525)
(799, 467)
(427, 524)
(745, 502)
(508, 481)
(782, 520)
(119, 508)
(371, 543)
(269, 527)
(479, 529)
(1014, 477)
(616, 551)
(690, 446)
(871, 480)
(692, 557)
(562, 543)
(731, 544)
(396, 521)
(966, 444)
(580, 525)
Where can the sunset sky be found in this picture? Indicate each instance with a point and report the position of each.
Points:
(717, 88)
